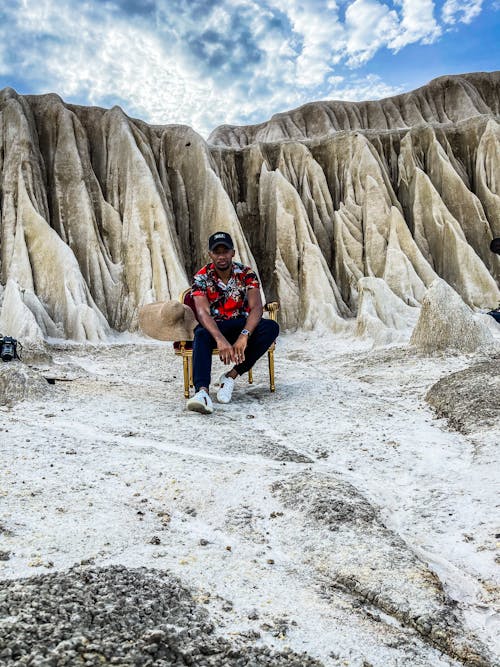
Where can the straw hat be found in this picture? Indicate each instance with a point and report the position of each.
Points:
(167, 320)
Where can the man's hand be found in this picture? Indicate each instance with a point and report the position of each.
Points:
(239, 348)
(226, 351)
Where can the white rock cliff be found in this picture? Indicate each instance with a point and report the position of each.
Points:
(101, 214)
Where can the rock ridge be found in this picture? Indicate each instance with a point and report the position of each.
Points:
(448, 98)
(101, 214)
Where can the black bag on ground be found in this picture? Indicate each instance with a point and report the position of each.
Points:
(8, 348)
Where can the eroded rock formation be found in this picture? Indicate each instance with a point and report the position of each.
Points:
(447, 324)
(469, 398)
(444, 100)
(375, 575)
(101, 214)
(18, 382)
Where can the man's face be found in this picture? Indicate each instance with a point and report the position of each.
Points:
(221, 257)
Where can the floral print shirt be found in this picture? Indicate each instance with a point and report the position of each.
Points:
(230, 300)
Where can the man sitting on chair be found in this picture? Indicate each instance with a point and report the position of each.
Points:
(229, 310)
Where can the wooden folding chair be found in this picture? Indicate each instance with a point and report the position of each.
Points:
(184, 348)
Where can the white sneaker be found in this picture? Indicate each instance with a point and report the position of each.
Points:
(226, 389)
(201, 402)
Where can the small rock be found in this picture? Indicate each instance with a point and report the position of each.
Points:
(155, 540)
(4, 555)
(87, 561)
(154, 636)
(203, 542)
(270, 561)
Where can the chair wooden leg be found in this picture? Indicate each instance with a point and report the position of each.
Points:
(185, 370)
(270, 357)
(250, 377)
(190, 365)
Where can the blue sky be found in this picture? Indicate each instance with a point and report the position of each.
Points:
(209, 62)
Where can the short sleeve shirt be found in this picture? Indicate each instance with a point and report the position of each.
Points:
(226, 301)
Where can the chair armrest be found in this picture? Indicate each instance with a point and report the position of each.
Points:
(272, 308)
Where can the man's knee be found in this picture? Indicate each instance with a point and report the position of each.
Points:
(269, 328)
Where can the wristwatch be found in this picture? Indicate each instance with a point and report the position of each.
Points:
(245, 332)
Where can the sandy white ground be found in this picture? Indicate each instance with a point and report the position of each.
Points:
(112, 460)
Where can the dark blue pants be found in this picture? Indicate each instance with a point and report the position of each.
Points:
(495, 314)
(259, 342)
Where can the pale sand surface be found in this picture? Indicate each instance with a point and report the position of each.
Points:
(111, 469)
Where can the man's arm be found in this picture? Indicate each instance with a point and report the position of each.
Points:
(226, 352)
(254, 317)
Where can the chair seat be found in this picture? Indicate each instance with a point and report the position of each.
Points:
(181, 346)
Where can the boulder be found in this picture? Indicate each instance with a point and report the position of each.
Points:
(446, 323)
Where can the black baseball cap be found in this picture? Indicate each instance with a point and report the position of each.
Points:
(220, 238)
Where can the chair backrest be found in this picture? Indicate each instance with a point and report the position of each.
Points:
(272, 308)
(187, 298)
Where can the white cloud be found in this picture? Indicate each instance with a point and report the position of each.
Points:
(205, 64)
(418, 24)
(4, 68)
(113, 59)
(321, 34)
(370, 25)
(357, 89)
(458, 10)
